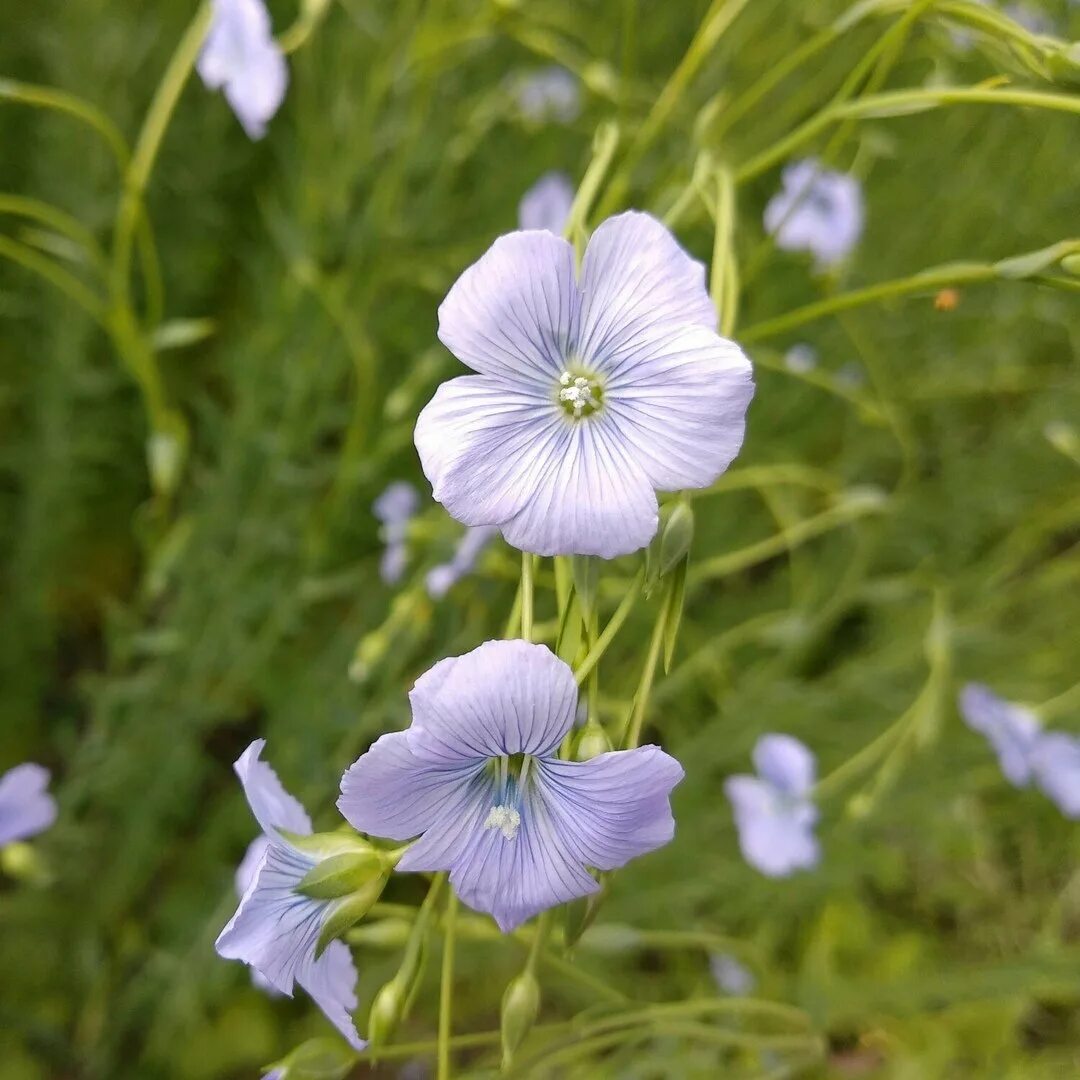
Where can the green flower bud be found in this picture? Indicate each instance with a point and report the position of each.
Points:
(386, 1012)
(677, 537)
(342, 874)
(316, 1059)
(22, 862)
(592, 742)
(520, 1007)
(349, 910)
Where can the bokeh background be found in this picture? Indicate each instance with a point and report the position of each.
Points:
(146, 639)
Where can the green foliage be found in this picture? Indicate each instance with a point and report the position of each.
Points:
(188, 559)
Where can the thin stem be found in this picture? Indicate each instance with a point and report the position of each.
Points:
(527, 590)
(540, 936)
(1060, 703)
(446, 987)
(56, 275)
(648, 672)
(600, 646)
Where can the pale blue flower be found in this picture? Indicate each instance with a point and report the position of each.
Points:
(730, 976)
(275, 928)
(801, 358)
(477, 778)
(551, 93)
(774, 814)
(1011, 729)
(440, 579)
(1055, 764)
(395, 508)
(816, 210)
(546, 205)
(26, 807)
(241, 58)
(590, 395)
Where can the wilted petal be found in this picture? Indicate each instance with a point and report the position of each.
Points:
(1055, 763)
(785, 763)
(546, 205)
(26, 807)
(504, 697)
(1011, 729)
(274, 808)
(680, 401)
(775, 835)
(514, 312)
(636, 278)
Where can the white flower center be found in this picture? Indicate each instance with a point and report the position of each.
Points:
(579, 394)
(504, 818)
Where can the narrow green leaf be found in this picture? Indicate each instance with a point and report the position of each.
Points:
(673, 616)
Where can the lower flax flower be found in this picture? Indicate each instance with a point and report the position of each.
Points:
(773, 811)
(589, 395)
(477, 778)
(276, 929)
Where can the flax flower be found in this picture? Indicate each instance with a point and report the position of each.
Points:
(773, 811)
(26, 807)
(477, 778)
(590, 395)
(241, 58)
(395, 508)
(275, 928)
(546, 205)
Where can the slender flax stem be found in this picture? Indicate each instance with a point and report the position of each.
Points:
(527, 590)
(641, 698)
(446, 986)
(600, 646)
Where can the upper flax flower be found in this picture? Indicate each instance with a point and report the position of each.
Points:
(551, 93)
(816, 210)
(546, 205)
(26, 807)
(773, 811)
(241, 58)
(275, 928)
(591, 393)
(477, 778)
(1024, 751)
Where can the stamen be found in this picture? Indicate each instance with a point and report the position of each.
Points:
(504, 818)
(577, 393)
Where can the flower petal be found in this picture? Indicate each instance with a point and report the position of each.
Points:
(1011, 729)
(256, 91)
(504, 697)
(785, 763)
(274, 808)
(514, 312)
(331, 982)
(636, 277)
(1055, 763)
(26, 807)
(250, 863)
(775, 838)
(680, 399)
(587, 494)
(389, 791)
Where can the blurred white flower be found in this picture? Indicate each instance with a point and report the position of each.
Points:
(546, 205)
(395, 508)
(241, 58)
(442, 578)
(801, 358)
(730, 976)
(817, 211)
(551, 93)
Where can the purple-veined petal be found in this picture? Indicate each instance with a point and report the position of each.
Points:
(775, 834)
(250, 863)
(546, 205)
(1055, 764)
(26, 807)
(274, 808)
(514, 313)
(785, 763)
(680, 403)
(389, 791)
(275, 930)
(635, 278)
(587, 494)
(504, 697)
(1011, 729)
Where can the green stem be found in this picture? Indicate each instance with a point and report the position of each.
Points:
(56, 275)
(527, 592)
(614, 624)
(648, 673)
(58, 220)
(446, 987)
(540, 936)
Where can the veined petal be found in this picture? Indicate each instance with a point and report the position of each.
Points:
(587, 494)
(275, 930)
(478, 440)
(250, 863)
(1055, 763)
(785, 763)
(680, 398)
(26, 807)
(389, 791)
(612, 808)
(635, 277)
(503, 698)
(514, 313)
(775, 836)
(274, 808)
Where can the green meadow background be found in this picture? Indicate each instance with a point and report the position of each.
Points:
(146, 638)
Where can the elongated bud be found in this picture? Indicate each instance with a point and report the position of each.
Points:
(677, 537)
(520, 1007)
(341, 874)
(383, 934)
(349, 910)
(1071, 265)
(386, 1011)
(592, 742)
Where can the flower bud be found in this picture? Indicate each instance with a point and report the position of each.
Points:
(21, 861)
(349, 910)
(520, 1006)
(677, 536)
(386, 1012)
(383, 934)
(316, 1059)
(592, 742)
(340, 875)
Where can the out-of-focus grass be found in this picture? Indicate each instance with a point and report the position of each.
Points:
(142, 646)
